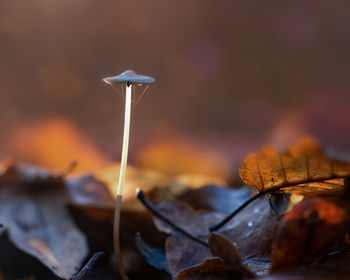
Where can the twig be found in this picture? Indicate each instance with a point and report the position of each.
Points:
(262, 193)
(87, 269)
(147, 204)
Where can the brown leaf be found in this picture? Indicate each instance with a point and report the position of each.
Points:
(54, 143)
(187, 258)
(301, 163)
(148, 180)
(222, 247)
(213, 264)
(335, 266)
(37, 222)
(251, 231)
(311, 228)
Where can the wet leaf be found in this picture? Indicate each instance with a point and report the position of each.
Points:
(300, 164)
(33, 212)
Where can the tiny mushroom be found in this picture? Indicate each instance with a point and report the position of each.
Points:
(128, 79)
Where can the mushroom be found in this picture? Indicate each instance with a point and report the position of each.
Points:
(128, 79)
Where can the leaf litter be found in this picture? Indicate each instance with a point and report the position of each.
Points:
(257, 236)
(258, 241)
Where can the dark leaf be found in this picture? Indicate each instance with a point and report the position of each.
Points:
(216, 198)
(154, 256)
(32, 210)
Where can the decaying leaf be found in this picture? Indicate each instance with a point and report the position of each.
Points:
(313, 227)
(251, 231)
(333, 266)
(222, 247)
(300, 164)
(33, 212)
(187, 258)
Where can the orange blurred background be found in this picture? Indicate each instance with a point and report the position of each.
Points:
(230, 76)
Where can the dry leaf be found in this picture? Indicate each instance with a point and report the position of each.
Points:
(54, 143)
(314, 226)
(335, 266)
(251, 231)
(222, 247)
(187, 258)
(302, 163)
(33, 213)
(175, 156)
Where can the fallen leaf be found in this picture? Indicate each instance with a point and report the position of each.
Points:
(195, 222)
(216, 198)
(334, 266)
(33, 212)
(54, 143)
(314, 226)
(251, 231)
(187, 258)
(177, 157)
(302, 163)
(12, 173)
(222, 247)
(154, 256)
(148, 179)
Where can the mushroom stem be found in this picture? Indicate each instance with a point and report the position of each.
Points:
(116, 238)
(124, 160)
(121, 182)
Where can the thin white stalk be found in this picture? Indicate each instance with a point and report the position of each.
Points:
(121, 182)
(124, 160)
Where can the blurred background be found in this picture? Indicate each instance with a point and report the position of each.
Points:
(231, 76)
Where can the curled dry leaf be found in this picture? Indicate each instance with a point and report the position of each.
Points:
(302, 163)
(33, 212)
